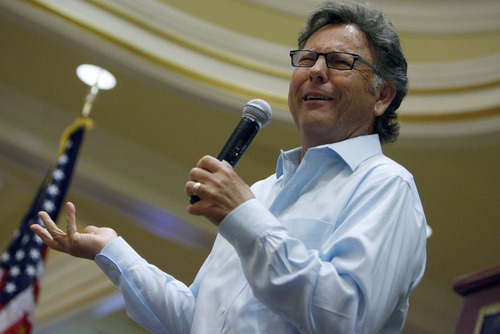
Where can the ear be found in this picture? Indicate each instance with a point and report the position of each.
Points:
(386, 94)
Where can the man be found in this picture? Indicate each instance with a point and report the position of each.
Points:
(334, 242)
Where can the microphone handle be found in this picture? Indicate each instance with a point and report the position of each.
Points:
(237, 144)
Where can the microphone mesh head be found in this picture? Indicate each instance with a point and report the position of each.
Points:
(258, 110)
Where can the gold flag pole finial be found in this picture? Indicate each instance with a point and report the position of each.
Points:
(97, 78)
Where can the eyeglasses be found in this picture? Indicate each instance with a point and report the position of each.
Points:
(335, 60)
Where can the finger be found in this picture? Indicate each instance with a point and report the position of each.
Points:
(199, 174)
(44, 216)
(49, 224)
(41, 232)
(210, 164)
(90, 229)
(193, 188)
(188, 187)
(46, 237)
(70, 219)
(58, 235)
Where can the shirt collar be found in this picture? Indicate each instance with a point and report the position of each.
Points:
(353, 151)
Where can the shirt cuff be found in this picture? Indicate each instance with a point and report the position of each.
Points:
(115, 255)
(246, 223)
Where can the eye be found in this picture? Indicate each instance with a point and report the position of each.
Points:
(340, 60)
(306, 58)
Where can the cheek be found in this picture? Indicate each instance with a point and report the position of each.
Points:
(293, 97)
(294, 80)
(290, 96)
(293, 89)
(292, 105)
(355, 92)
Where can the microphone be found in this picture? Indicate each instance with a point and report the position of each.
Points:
(256, 114)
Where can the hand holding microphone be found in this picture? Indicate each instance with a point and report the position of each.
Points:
(256, 114)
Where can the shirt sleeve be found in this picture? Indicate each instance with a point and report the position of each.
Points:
(357, 280)
(153, 298)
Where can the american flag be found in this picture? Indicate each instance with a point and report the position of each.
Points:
(22, 263)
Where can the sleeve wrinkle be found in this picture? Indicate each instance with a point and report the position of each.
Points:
(296, 284)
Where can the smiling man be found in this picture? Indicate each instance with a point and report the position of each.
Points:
(333, 242)
(331, 97)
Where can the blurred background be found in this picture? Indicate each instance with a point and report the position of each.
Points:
(184, 70)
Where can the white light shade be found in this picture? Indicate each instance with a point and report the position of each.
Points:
(96, 76)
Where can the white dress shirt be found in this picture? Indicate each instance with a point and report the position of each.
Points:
(334, 243)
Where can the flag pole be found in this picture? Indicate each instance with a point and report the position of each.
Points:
(98, 79)
(89, 100)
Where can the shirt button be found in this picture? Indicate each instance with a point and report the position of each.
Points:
(222, 311)
(111, 267)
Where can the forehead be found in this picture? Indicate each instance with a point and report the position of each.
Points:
(339, 37)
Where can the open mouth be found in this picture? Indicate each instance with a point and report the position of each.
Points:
(312, 97)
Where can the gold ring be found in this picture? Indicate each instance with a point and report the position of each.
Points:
(195, 189)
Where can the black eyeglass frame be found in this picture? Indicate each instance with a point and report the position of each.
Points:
(325, 54)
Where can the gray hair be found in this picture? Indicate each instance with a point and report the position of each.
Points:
(390, 60)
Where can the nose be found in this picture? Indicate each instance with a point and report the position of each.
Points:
(319, 71)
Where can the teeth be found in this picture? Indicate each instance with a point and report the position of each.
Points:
(316, 97)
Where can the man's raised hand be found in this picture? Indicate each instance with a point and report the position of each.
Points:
(86, 245)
